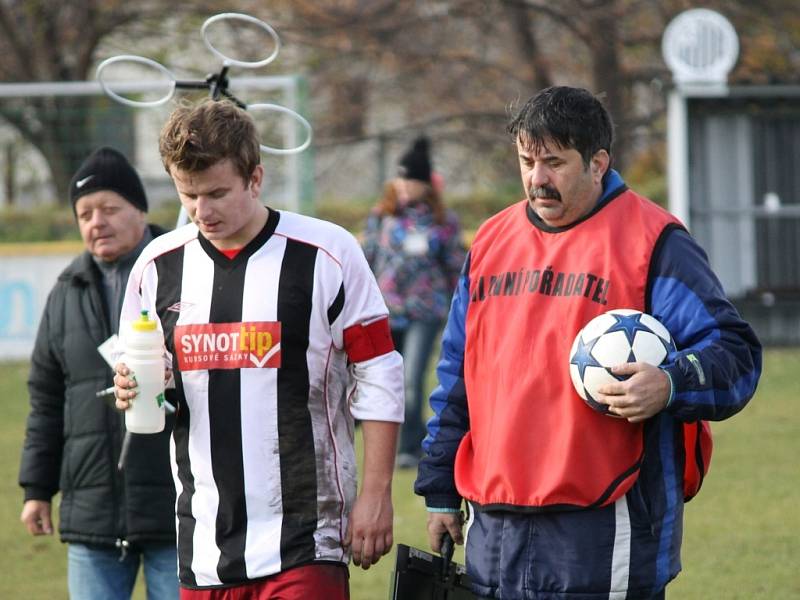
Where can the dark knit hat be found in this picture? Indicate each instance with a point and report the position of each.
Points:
(108, 169)
(416, 162)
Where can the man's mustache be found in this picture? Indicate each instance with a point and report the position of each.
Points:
(544, 192)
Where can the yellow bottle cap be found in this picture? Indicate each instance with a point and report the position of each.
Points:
(143, 323)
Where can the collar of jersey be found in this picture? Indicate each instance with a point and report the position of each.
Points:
(226, 263)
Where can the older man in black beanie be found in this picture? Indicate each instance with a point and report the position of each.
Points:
(111, 209)
(112, 519)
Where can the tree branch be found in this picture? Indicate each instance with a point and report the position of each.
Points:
(19, 48)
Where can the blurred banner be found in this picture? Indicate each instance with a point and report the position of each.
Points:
(25, 281)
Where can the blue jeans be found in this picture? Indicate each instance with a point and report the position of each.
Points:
(97, 573)
(415, 343)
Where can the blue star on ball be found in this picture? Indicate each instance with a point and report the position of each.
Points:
(629, 325)
(583, 356)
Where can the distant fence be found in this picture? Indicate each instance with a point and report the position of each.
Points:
(25, 176)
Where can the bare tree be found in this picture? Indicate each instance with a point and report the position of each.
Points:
(386, 68)
(58, 41)
(455, 64)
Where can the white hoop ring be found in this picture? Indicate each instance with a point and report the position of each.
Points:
(287, 111)
(241, 17)
(141, 60)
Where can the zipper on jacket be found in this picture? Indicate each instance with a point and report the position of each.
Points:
(123, 546)
(113, 429)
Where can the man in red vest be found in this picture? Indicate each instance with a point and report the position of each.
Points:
(565, 502)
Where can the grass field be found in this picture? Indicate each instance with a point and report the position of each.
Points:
(741, 539)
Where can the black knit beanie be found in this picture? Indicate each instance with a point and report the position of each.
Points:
(416, 163)
(108, 169)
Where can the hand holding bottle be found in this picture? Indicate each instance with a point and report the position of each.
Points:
(139, 379)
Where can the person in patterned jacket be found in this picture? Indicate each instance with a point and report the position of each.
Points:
(414, 248)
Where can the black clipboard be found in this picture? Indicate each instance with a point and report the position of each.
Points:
(419, 575)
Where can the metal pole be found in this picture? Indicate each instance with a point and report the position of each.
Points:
(678, 156)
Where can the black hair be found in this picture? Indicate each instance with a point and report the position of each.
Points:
(567, 116)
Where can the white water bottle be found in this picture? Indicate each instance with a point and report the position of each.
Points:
(144, 356)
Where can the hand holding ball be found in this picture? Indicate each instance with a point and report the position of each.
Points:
(615, 337)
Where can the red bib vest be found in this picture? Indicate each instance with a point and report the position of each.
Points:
(533, 442)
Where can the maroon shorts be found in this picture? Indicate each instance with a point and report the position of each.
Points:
(308, 582)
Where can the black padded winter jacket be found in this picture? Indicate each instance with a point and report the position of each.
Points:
(73, 439)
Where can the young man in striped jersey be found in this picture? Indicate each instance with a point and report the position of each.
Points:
(278, 338)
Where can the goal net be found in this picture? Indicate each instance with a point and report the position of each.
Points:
(81, 110)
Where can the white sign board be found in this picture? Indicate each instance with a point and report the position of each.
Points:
(25, 282)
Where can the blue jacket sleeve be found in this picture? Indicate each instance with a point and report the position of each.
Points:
(718, 363)
(450, 421)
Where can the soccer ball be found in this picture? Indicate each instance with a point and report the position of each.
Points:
(615, 337)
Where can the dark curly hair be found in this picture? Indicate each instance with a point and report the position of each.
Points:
(570, 117)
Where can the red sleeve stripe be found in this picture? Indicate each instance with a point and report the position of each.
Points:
(362, 342)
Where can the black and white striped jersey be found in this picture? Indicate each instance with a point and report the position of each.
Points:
(262, 450)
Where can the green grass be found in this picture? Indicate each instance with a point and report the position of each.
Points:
(741, 534)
